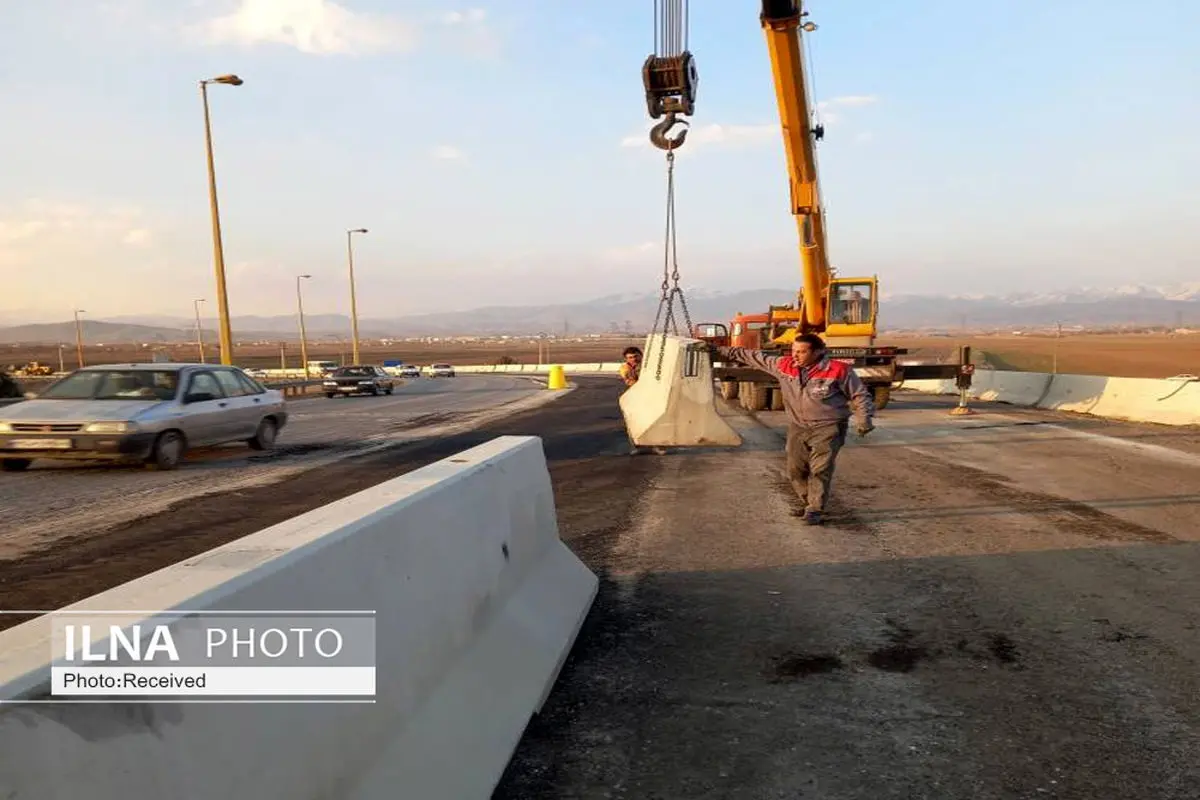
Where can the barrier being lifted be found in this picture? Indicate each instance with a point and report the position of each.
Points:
(673, 403)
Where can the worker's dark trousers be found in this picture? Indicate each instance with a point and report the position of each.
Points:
(811, 454)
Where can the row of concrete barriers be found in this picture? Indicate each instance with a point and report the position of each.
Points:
(1169, 401)
(477, 601)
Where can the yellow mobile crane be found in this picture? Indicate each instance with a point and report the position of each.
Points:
(673, 405)
(843, 310)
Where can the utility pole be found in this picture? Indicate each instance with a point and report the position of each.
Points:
(303, 336)
(199, 330)
(353, 301)
(79, 336)
(226, 333)
(1057, 336)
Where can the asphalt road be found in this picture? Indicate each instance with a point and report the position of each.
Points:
(1003, 606)
(56, 500)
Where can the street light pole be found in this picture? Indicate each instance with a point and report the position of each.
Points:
(226, 334)
(353, 301)
(79, 337)
(199, 330)
(303, 335)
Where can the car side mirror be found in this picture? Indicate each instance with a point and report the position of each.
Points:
(199, 397)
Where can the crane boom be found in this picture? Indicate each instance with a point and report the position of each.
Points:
(781, 22)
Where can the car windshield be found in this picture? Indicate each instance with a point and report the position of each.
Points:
(354, 372)
(115, 384)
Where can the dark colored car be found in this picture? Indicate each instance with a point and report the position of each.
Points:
(359, 379)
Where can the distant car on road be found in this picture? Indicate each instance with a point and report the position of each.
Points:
(441, 371)
(408, 371)
(358, 379)
(149, 413)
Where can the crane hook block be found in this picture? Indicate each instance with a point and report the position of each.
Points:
(658, 134)
(670, 83)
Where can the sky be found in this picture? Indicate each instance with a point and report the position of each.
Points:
(497, 151)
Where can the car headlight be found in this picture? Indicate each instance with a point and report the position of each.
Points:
(331, 383)
(5, 427)
(110, 427)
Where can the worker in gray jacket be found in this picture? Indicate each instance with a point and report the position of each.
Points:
(819, 395)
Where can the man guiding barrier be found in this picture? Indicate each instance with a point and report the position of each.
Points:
(819, 396)
(631, 366)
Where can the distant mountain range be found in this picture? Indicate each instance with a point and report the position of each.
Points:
(1132, 305)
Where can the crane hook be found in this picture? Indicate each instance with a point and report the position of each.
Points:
(658, 134)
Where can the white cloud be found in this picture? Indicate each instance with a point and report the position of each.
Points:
(40, 218)
(853, 100)
(317, 27)
(714, 135)
(13, 231)
(137, 237)
(473, 16)
(447, 152)
(634, 253)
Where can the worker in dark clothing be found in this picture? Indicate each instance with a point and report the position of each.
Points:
(819, 395)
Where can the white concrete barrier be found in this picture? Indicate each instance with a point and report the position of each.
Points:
(570, 369)
(1170, 401)
(674, 406)
(478, 602)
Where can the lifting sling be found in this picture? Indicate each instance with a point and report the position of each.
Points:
(674, 407)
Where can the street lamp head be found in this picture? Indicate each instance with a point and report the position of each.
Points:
(359, 230)
(304, 276)
(232, 80)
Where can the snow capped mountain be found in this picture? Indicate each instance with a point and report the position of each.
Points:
(1124, 305)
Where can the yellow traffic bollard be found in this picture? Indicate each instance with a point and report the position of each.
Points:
(557, 378)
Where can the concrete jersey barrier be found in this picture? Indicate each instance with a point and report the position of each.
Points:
(672, 402)
(478, 603)
(1168, 401)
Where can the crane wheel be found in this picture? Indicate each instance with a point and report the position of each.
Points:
(729, 390)
(881, 395)
(755, 396)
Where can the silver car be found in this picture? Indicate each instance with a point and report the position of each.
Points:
(150, 413)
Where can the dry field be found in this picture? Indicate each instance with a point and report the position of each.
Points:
(1121, 355)
(1116, 355)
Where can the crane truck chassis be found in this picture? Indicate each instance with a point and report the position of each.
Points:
(881, 368)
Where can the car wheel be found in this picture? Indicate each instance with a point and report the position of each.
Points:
(264, 439)
(330, 395)
(15, 464)
(167, 451)
(389, 390)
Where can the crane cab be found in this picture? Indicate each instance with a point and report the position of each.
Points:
(850, 312)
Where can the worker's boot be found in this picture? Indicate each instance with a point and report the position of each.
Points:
(812, 517)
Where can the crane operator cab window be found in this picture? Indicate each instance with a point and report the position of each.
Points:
(851, 304)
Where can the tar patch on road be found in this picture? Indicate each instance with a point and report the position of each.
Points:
(901, 655)
(795, 666)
